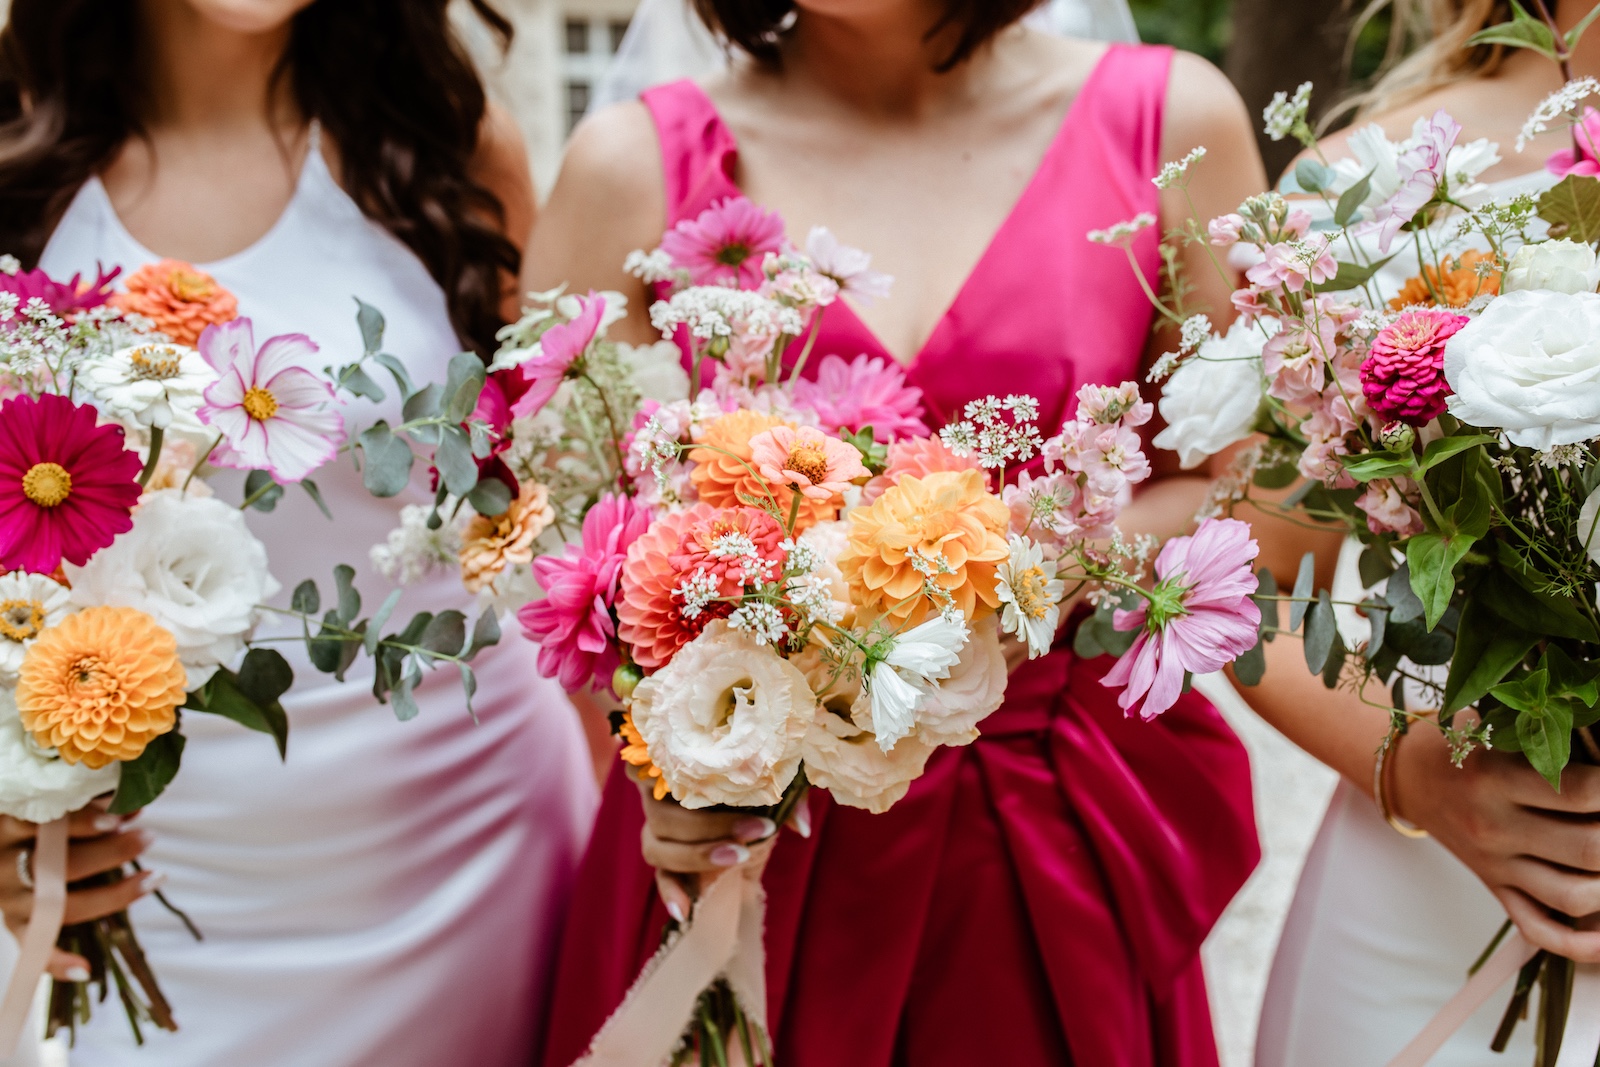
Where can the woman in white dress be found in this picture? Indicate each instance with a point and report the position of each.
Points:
(1384, 927)
(389, 895)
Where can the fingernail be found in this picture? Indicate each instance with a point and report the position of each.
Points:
(106, 823)
(144, 838)
(675, 910)
(729, 855)
(753, 829)
(151, 881)
(77, 974)
(802, 820)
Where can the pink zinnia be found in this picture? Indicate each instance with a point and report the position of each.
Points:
(1403, 374)
(572, 624)
(559, 348)
(1582, 158)
(821, 467)
(727, 244)
(64, 299)
(274, 414)
(866, 391)
(67, 485)
(1199, 617)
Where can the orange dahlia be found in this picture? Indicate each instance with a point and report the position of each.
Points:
(1455, 279)
(101, 685)
(952, 522)
(636, 754)
(490, 544)
(726, 475)
(180, 299)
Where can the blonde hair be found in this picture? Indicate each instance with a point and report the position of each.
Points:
(1427, 49)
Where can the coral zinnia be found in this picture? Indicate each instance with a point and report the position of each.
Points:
(1403, 374)
(1455, 281)
(725, 474)
(179, 298)
(67, 485)
(917, 456)
(726, 244)
(949, 525)
(821, 467)
(101, 685)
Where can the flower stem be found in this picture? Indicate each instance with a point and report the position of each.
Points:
(156, 436)
(201, 462)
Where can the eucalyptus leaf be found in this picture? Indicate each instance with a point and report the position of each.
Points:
(397, 371)
(307, 598)
(1251, 667)
(316, 497)
(469, 688)
(147, 777)
(453, 458)
(464, 380)
(490, 497)
(376, 624)
(405, 705)
(1304, 587)
(1403, 603)
(1312, 176)
(1378, 619)
(1332, 669)
(446, 633)
(422, 404)
(262, 491)
(389, 459)
(485, 634)
(358, 382)
(1376, 564)
(225, 695)
(370, 321)
(344, 577)
(1322, 630)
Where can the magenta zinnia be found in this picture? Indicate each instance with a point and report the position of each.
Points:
(67, 485)
(1403, 374)
(726, 244)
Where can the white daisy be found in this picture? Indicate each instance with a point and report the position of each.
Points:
(29, 605)
(1032, 594)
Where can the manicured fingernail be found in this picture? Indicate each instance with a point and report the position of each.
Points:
(77, 974)
(143, 838)
(802, 820)
(675, 910)
(151, 881)
(753, 829)
(106, 823)
(729, 855)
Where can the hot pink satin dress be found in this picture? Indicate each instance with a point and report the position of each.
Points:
(1040, 896)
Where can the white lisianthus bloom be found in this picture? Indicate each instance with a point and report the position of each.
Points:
(1031, 594)
(151, 385)
(29, 604)
(36, 784)
(1589, 526)
(657, 370)
(904, 677)
(1559, 266)
(1210, 402)
(975, 690)
(1530, 365)
(724, 720)
(191, 564)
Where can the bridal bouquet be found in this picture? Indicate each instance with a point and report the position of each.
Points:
(795, 582)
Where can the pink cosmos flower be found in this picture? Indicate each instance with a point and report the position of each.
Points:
(1290, 265)
(820, 466)
(1583, 158)
(727, 244)
(850, 268)
(559, 347)
(1200, 616)
(273, 413)
(1388, 507)
(866, 391)
(572, 624)
(1403, 374)
(64, 299)
(1421, 168)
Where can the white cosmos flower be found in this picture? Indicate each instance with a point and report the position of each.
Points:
(975, 690)
(29, 604)
(899, 682)
(36, 784)
(191, 564)
(1031, 593)
(840, 750)
(151, 385)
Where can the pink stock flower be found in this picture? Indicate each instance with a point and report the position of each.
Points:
(1198, 619)
(1389, 508)
(559, 347)
(1224, 230)
(820, 466)
(1403, 374)
(727, 244)
(64, 299)
(1291, 264)
(866, 391)
(1296, 357)
(273, 413)
(1421, 168)
(1583, 158)
(572, 624)
(1247, 302)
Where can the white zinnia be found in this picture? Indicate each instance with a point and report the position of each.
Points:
(975, 690)
(151, 385)
(29, 604)
(1211, 400)
(191, 564)
(1530, 365)
(724, 720)
(902, 680)
(36, 784)
(1558, 266)
(841, 752)
(1031, 593)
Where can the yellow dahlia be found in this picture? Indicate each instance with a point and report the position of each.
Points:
(101, 685)
(491, 544)
(951, 523)
(726, 474)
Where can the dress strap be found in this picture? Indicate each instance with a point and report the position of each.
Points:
(698, 151)
(1125, 103)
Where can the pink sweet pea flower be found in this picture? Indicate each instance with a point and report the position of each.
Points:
(541, 375)
(1421, 168)
(1583, 158)
(727, 244)
(273, 413)
(1201, 618)
(866, 391)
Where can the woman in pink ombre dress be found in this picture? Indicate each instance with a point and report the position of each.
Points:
(1039, 897)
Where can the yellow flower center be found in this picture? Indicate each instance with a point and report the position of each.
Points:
(191, 286)
(21, 620)
(1028, 590)
(260, 404)
(47, 484)
(811, 462)
(155, 361)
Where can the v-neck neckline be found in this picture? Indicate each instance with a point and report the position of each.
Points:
(1030, 190)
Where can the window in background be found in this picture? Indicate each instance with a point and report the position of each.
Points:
(591, 41)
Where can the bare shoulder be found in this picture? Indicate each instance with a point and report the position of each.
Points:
(1203, 108)
(614, 158)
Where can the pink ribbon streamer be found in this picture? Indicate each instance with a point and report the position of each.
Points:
(1506, 961)
(44, 926)
(722, 940)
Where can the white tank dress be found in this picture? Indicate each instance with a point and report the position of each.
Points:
(1383, 927)
(391, 896)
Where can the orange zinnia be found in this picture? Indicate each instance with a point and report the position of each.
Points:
(1458, 284)
(636, 754)
(101, 685)
(725, 473)
(180, 299)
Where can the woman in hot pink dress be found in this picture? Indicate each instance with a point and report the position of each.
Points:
(1039, 897)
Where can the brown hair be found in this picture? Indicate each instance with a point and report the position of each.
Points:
(756, 25)
(1428, 48)
(390, 83)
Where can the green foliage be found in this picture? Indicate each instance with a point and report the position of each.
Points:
(1572, 208)
(147, 777)
(1200, 26)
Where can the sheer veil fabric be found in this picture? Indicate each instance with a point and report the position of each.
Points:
(667, 41)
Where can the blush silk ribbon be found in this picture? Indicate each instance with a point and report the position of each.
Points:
(49, 908)
(723, 939)
(1580, 1043)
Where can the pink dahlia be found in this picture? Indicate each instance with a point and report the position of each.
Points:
(916, 457)
(559, 348)
(867, 391)
(64, 299)
(821, 467)
(573, 624)
(273, 413)
(1403, 374)
(727, 244)
(67, 485)
(1199, 616)
(1583, 157)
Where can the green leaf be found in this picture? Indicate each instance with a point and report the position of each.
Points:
(389, 460)
(147, 777)
(1351, 200)
(1312, 176)
(1322, 630)
(490, 497)
(1546, 739)
(423, 404)
(1486, 651)
(1378, 618)
(370, 320)
(445, 634)
(1445, 447)
(1523, 31)
(469, 688)
(307, 598)
(1377, 465)
(1570, 677)
(1572, 208)
(265, 675)
(1419, 644)
(1574, 35)
(1251, 667)
(1403, 603)
(376, 624)
(463, 382)
(405, 705)
(243, 698)
(1545, 613)
(457, 469)
(358, 382)
(1335, 664)
(1304, 584)
(1376, 564)
(485, 633)
(397, 371)
(1431, 559)
(270, 492)
(1099, 636)
(344, 577)
(316, 497)
(1279, 476)
(1353, 275)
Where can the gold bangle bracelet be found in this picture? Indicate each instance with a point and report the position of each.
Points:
(1382, 771)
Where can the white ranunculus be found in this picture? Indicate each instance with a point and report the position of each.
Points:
(36, 785)
(191, 564)
(974, 690)
(1559, 266)
(151, 385)
(902, 680)
(657, 370)
(29, 604)
(1530, 365)
(724, 720)
(1587, 525)
(1210, 402)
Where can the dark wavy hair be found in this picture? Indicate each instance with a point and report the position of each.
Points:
(755, 25)
(388, 80)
